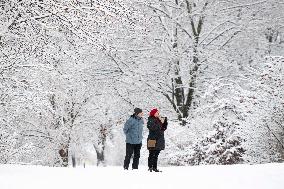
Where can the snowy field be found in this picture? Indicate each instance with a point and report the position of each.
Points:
(267, 176)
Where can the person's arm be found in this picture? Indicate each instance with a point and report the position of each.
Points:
(151, 125)
(126, 126)
(165, 124)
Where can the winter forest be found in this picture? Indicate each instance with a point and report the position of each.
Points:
(72, 71)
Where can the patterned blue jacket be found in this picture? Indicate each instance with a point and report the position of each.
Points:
(133, 129)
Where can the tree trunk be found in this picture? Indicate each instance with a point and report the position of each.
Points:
(100, 157)
(100, 148)
(193, 77)
(73, 161)
(180, 101)
(178, 95)
(63, 152)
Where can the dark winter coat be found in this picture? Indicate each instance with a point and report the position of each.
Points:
(156, 132)
(133, 129)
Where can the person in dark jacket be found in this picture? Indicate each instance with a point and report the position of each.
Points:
(156, 125)
(133, 129)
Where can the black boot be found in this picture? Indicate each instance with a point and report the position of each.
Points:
(156, 170)
(150, 169)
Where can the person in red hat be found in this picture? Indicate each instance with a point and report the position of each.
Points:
(156, 140)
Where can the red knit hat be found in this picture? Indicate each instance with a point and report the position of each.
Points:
(153, 111)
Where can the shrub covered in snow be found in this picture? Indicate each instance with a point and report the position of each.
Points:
(220, 146)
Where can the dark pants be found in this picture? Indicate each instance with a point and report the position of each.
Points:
(153, 158)
(130, 148)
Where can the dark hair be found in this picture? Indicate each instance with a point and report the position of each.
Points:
(137, 111)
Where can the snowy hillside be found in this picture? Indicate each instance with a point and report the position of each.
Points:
(266, 176)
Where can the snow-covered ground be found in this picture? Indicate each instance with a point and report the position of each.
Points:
(267, 176)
